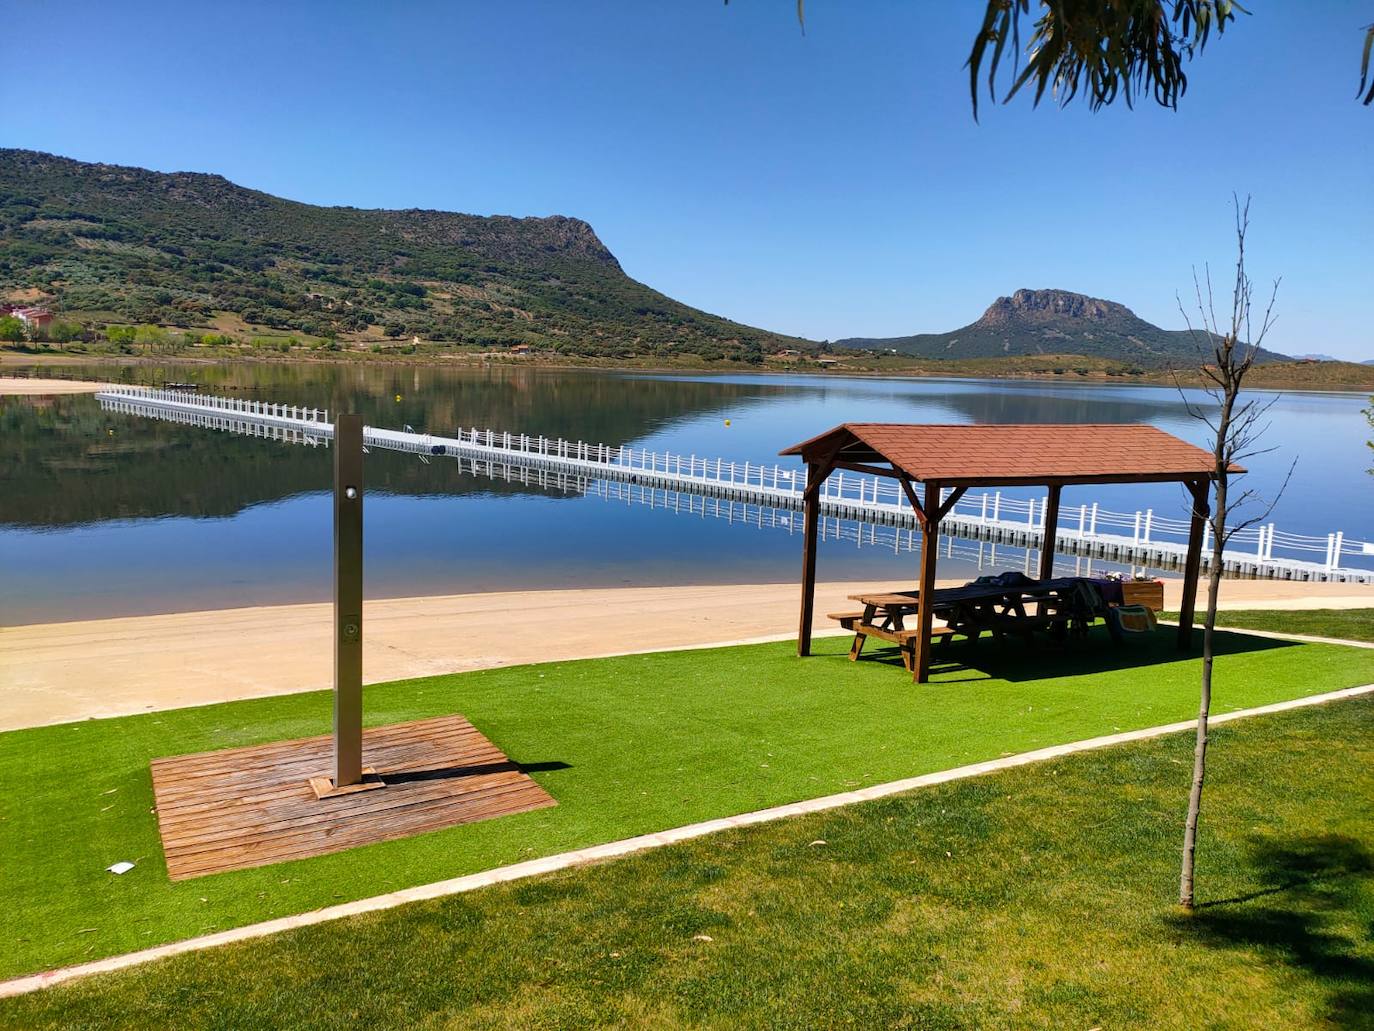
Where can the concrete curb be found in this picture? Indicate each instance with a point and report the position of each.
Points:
(1276, 635)
(626, 846)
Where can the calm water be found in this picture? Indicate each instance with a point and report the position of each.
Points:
(105, 515)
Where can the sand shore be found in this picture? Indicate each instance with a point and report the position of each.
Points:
(21, 386)
(58, 672)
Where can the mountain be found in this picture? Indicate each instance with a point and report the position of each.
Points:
(1056, 322)
(1315, 358)
(105, 243)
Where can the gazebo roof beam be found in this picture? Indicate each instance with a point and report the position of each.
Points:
(915, 501)
(872, 470)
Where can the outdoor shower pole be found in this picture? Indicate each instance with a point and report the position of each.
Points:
(348, 600)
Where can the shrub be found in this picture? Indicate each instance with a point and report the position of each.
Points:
(11, 329)
(64, 332)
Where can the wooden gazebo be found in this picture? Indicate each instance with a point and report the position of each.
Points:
(959, 457)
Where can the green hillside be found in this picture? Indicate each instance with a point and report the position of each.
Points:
(1052, 322)
(108, 243)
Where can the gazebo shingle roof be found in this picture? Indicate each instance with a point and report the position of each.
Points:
(1034, 453)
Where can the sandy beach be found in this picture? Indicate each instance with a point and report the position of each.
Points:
(22, 386)
(58, 672)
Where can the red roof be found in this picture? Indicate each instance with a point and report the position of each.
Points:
(1035, 453)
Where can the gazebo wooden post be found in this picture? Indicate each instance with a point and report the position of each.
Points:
(1048, 543)
(1047, 546)
(930, 543)
(811, 501)
(1200, 492)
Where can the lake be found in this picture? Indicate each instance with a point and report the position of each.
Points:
(104, 515)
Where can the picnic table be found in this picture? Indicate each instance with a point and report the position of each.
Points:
(1060, 605)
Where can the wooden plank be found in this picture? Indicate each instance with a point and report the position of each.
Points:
(243, 807)
(906, 599)
(184, 800)
(898, 636)
(305, 752)
(1149, 593)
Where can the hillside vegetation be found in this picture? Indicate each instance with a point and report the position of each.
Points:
(120, 244)
(136, 262)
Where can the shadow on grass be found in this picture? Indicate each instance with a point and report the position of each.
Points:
(475, 770)
(1308, 887)
(1014, 660)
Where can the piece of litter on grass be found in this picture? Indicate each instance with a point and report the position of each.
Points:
(702, 938)
(819, 841)
(123, 866)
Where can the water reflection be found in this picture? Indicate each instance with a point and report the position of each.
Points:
(67, 462)
(102, 514)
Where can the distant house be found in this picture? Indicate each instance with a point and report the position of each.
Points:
(520, 349)
(34, 318)
(827, 361)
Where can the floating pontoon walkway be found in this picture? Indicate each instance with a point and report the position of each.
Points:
(1135, 539)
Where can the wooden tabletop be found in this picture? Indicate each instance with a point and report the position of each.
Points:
(885, 600)
(969, 592)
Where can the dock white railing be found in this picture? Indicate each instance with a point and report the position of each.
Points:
(1143, 538)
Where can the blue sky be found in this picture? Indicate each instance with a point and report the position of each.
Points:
(827, 184)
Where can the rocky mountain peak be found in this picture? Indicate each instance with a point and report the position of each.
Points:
(1050, 305)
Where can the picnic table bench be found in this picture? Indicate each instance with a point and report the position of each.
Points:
(887, 626)
(1061, 605)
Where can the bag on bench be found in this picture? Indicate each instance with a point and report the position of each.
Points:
(1134, 619)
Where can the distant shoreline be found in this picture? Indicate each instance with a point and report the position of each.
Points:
(1157, 378)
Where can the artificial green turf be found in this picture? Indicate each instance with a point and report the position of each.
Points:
(1037, 897)
(1345, 624)
(628, 745)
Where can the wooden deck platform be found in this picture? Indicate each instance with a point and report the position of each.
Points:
(243, 807)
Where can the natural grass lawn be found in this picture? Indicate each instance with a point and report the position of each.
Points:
(1039, 897)
(644, 742)
(1347, 624)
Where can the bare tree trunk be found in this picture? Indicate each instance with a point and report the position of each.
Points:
(1233, 348)
(1185, 883)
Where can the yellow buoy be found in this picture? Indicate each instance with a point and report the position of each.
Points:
(727, 422)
